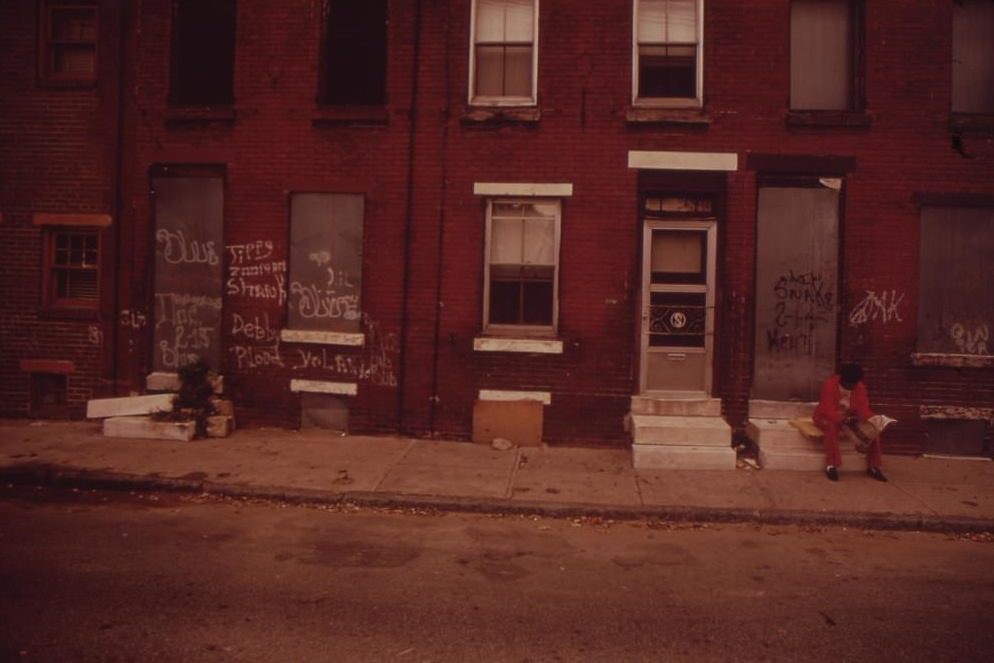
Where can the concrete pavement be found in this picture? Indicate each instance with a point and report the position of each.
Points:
(323, 467)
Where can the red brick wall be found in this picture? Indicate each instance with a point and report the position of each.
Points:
(59, 156)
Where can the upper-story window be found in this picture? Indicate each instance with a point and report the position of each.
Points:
(504, 53)
(825, 55)
(973, 56)
(68, 43)
(203, 53)
(668, 51)
(354, 53)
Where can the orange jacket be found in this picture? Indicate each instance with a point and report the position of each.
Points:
(831, 397)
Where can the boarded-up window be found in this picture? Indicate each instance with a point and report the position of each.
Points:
(821, 54)
(189, 246)
(326, 261)
(203, 52)
(956, 310)
(796, 286)
(973, 56)
(504, 50)
(667, 49)
(355, 52)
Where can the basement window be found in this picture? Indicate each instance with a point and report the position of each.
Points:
(48, 395)
(203, 53)
(68, 42)
(354, 53)
(71, 268)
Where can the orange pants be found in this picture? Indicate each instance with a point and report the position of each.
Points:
(832, 454)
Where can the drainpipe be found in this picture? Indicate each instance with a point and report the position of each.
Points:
(439, 271)
(409, 221)
(122, 64)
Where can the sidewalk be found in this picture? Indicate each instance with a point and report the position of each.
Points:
(322, 467)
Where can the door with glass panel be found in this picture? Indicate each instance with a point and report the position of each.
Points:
(678, 306)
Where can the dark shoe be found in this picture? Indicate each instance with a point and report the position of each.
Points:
(876, 473)
(832, 473)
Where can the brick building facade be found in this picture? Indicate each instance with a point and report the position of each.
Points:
(382, 214)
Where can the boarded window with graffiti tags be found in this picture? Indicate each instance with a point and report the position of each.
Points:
(325, 262)
(956, 310)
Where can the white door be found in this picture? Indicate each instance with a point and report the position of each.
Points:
(678, 307)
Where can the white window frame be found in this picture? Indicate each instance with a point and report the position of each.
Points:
(474, 99)
(546, 331)
(668, 102)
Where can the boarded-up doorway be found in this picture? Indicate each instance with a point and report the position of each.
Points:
(189, 252)
(796, 289)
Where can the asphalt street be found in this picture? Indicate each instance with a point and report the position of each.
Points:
(89, 576)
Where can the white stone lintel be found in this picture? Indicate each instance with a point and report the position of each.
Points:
(322, 337)
(552, 190)
(498, 344)
(324, 387)
(683, 160)
(543, 397)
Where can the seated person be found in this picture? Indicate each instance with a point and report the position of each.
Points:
(844, 397)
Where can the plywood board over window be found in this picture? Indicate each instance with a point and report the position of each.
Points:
(189, 247)
(956, 309)
(326, 231)
(973, 56)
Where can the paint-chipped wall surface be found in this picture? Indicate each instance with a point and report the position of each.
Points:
(465, 210)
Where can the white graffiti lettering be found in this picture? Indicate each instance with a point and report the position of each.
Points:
(969, 341)
(177, 249)
(883, 307)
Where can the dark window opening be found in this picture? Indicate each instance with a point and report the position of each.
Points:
(667, 71)
(354, 68)
(69, 41)
(203, 56)
(521, 295)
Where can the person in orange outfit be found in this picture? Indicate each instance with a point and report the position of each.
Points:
(844, 397)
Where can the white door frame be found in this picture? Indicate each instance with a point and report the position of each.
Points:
(710, 225)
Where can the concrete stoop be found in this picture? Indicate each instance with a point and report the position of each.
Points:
(683, 434)
(782, 447)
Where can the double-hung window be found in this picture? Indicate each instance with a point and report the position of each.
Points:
(68, 41)
(504, 53)
(72, 270)
(668, 53)
(522, 265)
(973, 56)
(825, 55)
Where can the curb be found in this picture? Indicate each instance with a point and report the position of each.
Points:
(110, 481)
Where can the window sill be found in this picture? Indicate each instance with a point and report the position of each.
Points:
(324, 387)
(350, 115)
(840, 119)
(694, 117)
(971, 123)
(526, 345)
(200, 115)
(50, 312)
(951, 360)
(484, 115)
(68, 83)
(322, 337)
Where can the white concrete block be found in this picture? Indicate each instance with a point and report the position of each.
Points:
(651, 456)
(146, 428)
(220, 425)
(128, 405)
(681, 431)
(680, 407)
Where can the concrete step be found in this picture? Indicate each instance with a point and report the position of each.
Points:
(759, 409)
(782, 447)
(149, 429)
(656, 456)
(681, 431)
(679, 406)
